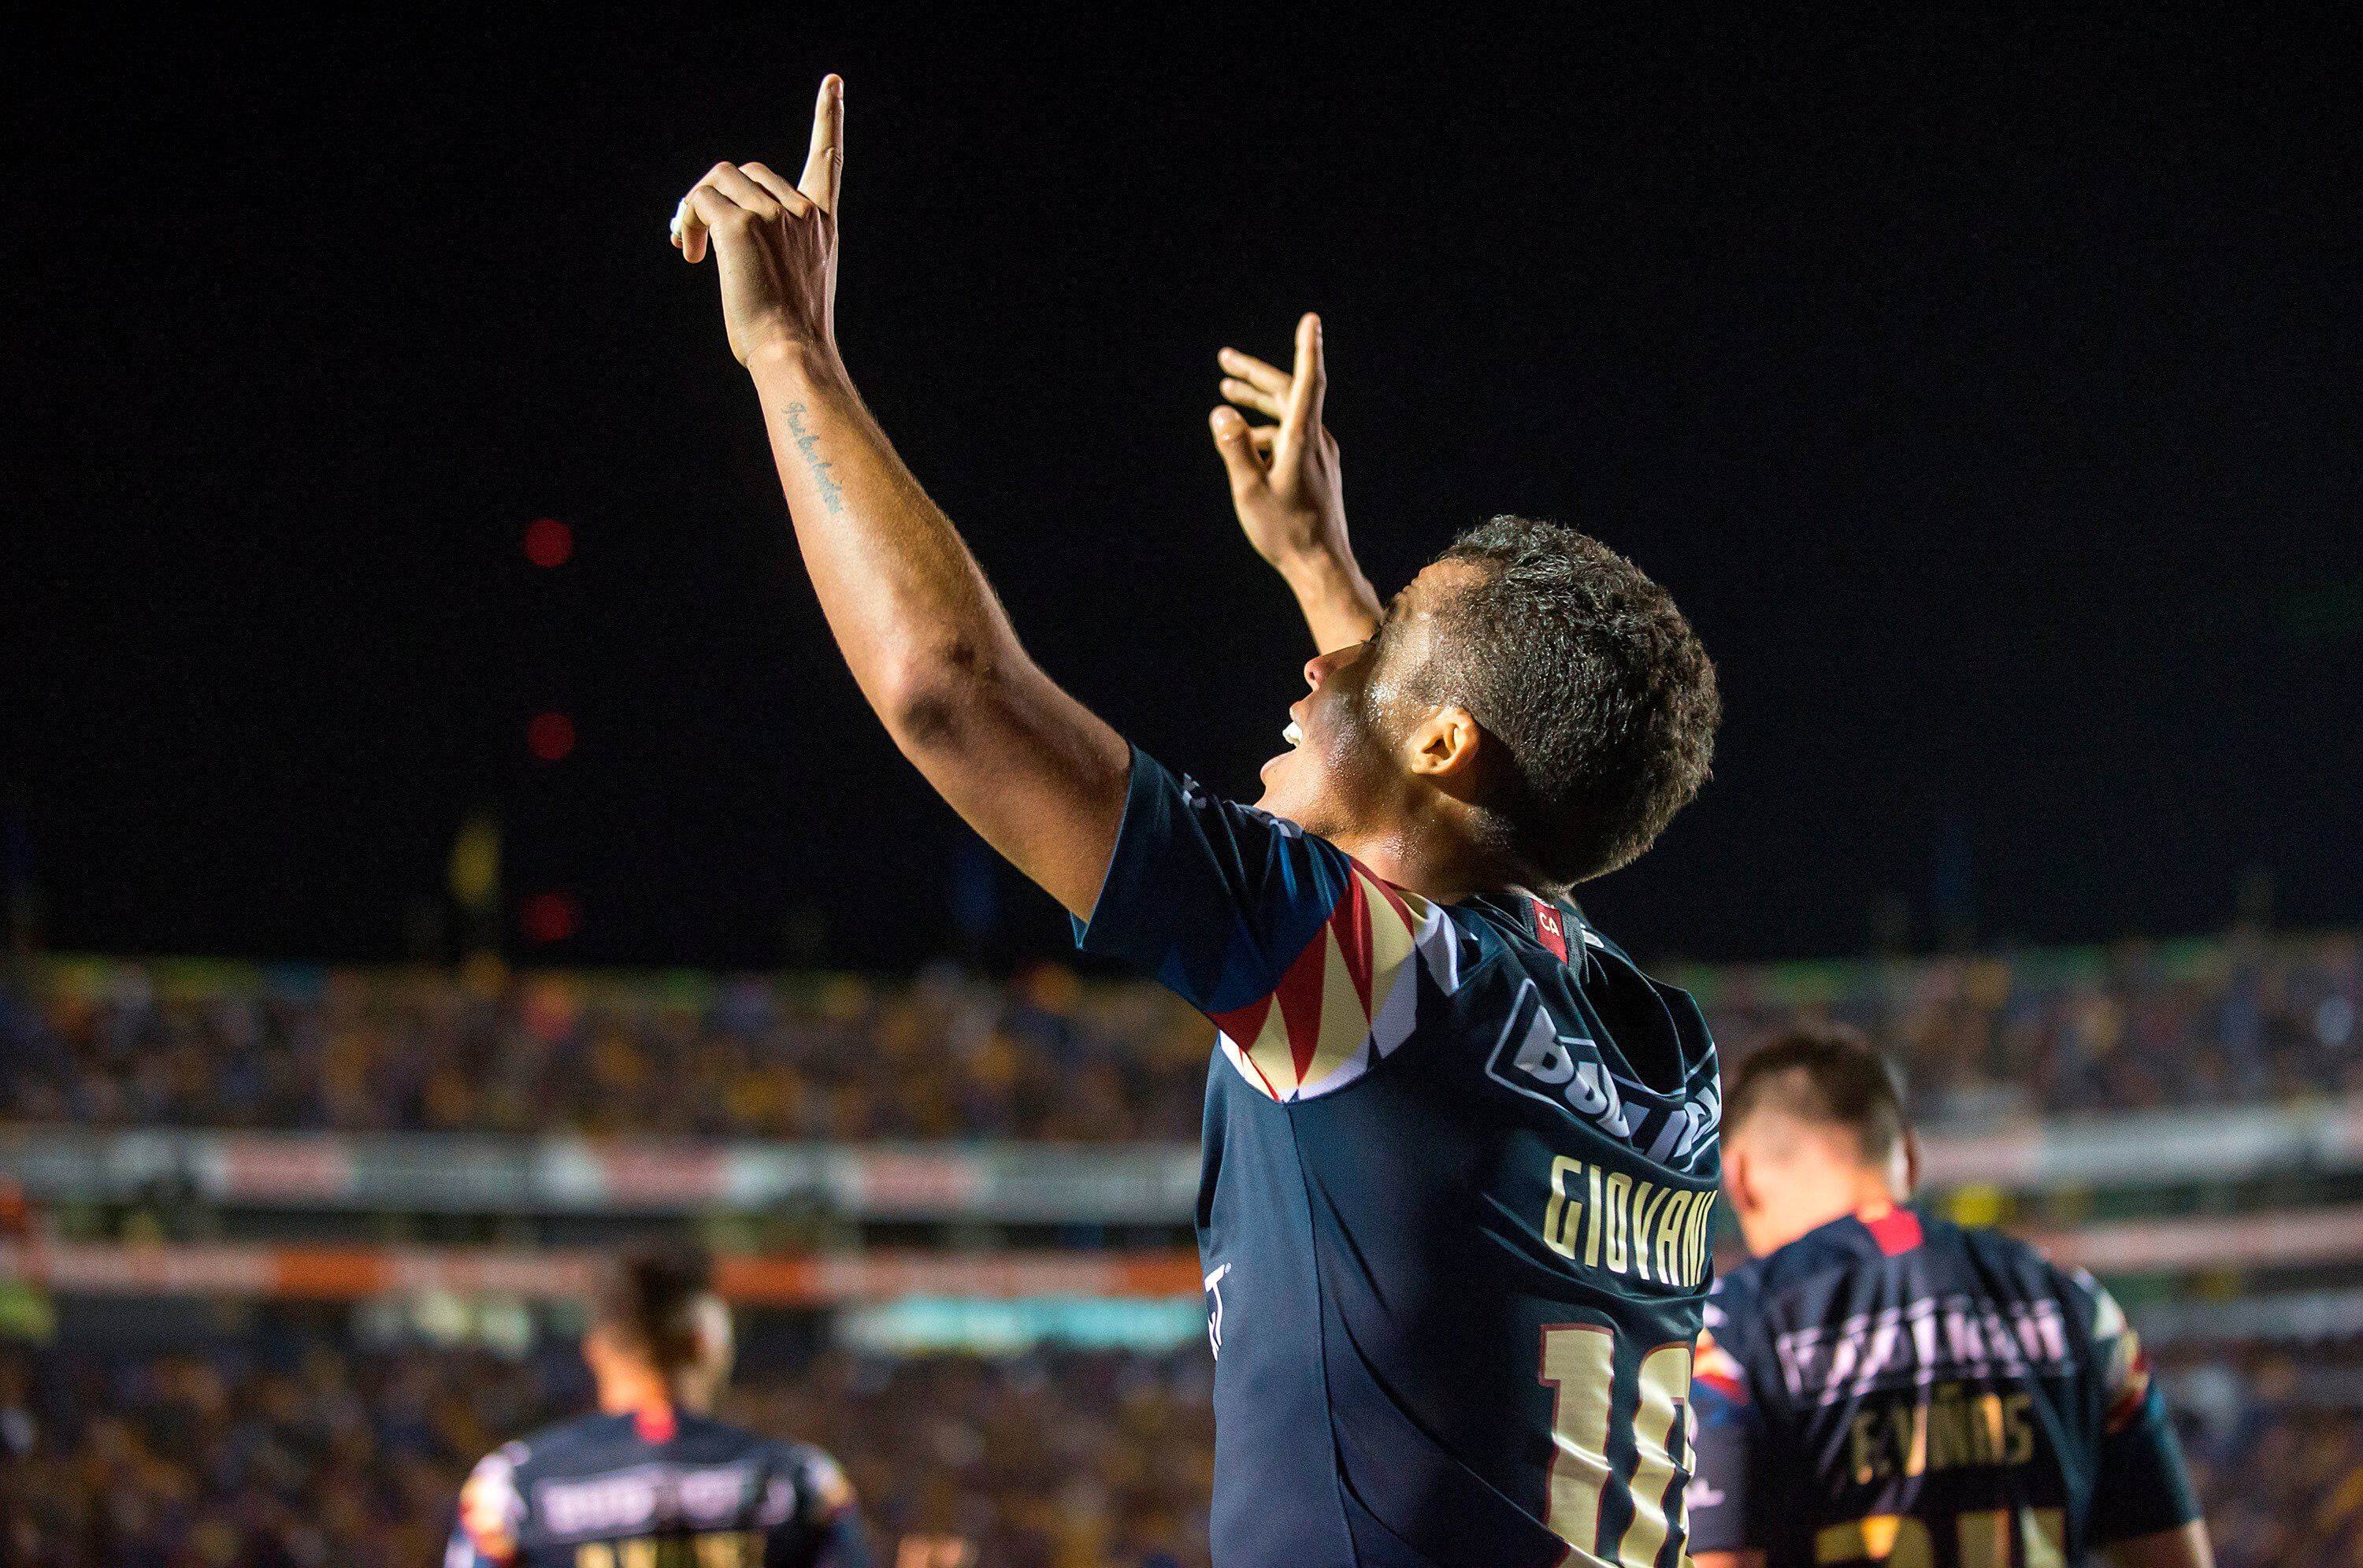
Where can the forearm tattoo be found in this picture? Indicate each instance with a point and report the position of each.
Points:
(832, 494)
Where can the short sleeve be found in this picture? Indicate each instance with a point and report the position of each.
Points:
(491, 1509)
(1306, 962)
(1726, 1490)
(809, 1517)
(2140, 1486)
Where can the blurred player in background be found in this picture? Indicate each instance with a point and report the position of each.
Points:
(1458, 1151)
(653, 1481)
(1880, 1385)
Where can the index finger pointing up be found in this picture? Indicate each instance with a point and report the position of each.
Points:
(1311, 381)
(825, 166)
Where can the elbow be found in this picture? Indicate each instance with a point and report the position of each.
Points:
(932, 694)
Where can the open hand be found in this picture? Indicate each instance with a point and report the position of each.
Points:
(1285, 483)
(774, 244)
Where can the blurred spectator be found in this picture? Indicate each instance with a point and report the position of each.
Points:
(1048, 1056)
(2274, 1442)
(839, 1058)
(2137, 1026)
(302, 1454)
(286, 1449)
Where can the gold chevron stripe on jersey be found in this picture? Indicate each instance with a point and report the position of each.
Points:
(1348, 997)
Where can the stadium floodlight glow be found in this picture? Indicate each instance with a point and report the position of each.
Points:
(550, 737)
(549, 541)
(549, 917)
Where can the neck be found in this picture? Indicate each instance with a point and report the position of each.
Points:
(1813, 1202)
(626, 1389)
(1432, 857)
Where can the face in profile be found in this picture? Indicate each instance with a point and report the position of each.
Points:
(1341, 773)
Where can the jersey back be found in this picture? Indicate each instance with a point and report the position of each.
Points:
(1895, 1388)
(655, 1490)
(1459, 1167)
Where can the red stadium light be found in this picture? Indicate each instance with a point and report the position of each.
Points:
(550, 917)
(550, 737)
(549, 541)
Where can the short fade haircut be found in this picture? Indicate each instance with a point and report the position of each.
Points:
(648, 1298)
(1593, 682)
(1825, 1077)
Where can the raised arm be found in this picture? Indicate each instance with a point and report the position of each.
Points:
(1033, 771)
(2185, 1546)
(1287, 489)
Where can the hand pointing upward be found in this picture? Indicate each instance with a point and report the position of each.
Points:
(774, 244)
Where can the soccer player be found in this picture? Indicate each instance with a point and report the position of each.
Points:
(1458, 1151)
(653, 1481)
(1882, 1387)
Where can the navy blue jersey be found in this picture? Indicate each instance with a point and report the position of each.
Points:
(1894, 1388)
(656, 1490)
(1459, 1161)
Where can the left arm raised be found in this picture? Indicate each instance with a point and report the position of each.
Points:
(1035, 772)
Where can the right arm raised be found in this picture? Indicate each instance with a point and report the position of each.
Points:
(1036, 773)
(1288, 492)
(2185, 1546)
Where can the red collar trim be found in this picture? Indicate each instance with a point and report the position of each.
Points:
(1551, 928)
(1895, 1230)
(655, 1423)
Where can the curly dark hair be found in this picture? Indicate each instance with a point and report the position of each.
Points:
(1584, 670)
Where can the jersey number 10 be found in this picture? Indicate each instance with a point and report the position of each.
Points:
(1981, 1539)
(1579, 1368)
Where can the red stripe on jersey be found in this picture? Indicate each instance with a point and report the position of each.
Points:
(1299, 996)
(2133, 1393)
(1243, 1024)
(1351, 922)
(1895, 1230)
(1394, 900)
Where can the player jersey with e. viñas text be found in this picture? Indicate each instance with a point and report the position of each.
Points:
(1892, 1387)
(1458, 1167)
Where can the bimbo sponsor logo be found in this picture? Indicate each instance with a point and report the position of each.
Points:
(1562, 1066)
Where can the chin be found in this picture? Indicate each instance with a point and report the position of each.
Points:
(1300, 785)
(1276, 796)
(1280, 801)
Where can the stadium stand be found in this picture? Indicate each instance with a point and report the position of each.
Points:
(283, 1248)
(284, 1447)
(1050, 1056)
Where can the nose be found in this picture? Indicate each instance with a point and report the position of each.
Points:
(1321, 667)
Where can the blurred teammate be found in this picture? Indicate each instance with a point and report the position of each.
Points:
(1879, 1386)
(1458, 1151)
(653, 1481)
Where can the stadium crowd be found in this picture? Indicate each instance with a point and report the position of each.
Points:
(1049, 1056)
(288, 1451)
(304, 1450)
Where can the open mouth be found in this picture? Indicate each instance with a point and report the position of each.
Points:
(1294, 736)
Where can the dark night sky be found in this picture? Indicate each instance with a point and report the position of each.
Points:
(1984, 389)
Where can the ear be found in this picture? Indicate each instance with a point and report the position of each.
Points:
(1739, 1180)
(717, 1346)
(1444, 746)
